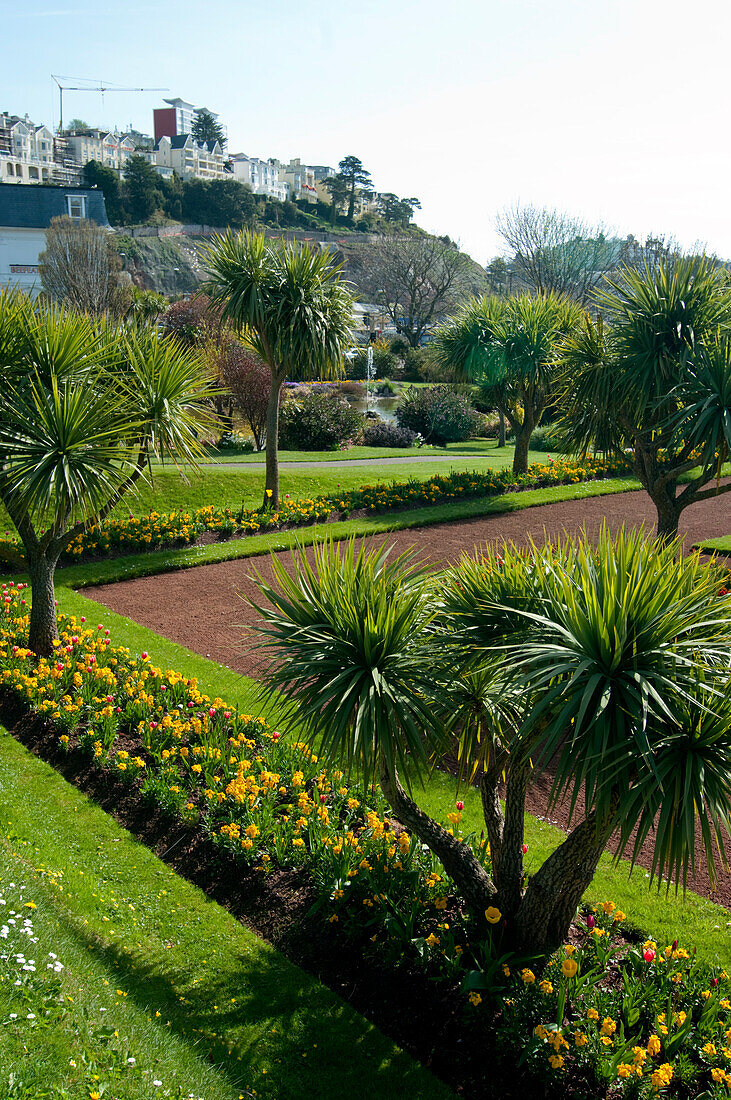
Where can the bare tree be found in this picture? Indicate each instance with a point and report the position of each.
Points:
(553, 251)
(417, 279)
(81, 267)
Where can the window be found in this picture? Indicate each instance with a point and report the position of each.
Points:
(33, 173)
(76, 205)
(10, 169)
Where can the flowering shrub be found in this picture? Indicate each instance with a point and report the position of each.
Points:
(159, 529)
(634, 1020)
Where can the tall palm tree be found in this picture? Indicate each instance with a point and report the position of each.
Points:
(511, 348)
(290, 302)
(610, 661)
(85, 406)
(653, 377)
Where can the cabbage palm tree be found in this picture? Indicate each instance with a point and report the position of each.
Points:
(293, 307)
(610, 661)
(653, 377)
(86, 405)
(511, 348)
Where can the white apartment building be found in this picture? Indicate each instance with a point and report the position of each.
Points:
(110, 149)
(300, 180)
(26, 151)
(188, 158)
(262, 176)
(177, 118)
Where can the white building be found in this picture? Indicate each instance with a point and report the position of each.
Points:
(25, 215)
(26, 151)
(191, 160)
(178, 118)
(300, 180)
(110, 149)
(262, 176)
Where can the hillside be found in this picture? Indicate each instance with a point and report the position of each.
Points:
(172, 262)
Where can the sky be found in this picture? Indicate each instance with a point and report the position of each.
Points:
(615, 111)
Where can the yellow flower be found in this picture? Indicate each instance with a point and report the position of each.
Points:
(432, 940)
(475, 999)
(580, 1039)
(625, 1070)
(545, 987)
(528, 976)
(569, 968)
(653, 1045)
(556, 1061)
(492, 915)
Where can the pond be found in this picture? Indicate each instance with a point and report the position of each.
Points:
(384, 407)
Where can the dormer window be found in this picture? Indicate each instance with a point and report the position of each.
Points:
(76, 205)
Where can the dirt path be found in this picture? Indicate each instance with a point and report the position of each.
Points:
(206, 608)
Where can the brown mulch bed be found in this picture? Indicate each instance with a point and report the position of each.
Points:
(205, 608)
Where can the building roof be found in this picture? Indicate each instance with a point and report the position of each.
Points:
(31, 206)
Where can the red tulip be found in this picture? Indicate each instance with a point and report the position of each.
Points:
(648, 954)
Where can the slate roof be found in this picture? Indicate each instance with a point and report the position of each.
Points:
(31, 206)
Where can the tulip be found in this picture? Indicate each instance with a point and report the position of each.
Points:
(648, 954)
(460, 806)
(590, 921)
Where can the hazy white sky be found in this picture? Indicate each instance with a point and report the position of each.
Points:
(616, 110)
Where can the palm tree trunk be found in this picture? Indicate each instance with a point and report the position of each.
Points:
(507, 867)
(458, 859)
(43, 623)
(522, 445)
(271, 491)
(501, 428)
(553, 895)
(668, 515)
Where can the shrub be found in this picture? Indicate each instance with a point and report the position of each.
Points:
(318, 421)
(439, 414)
(233, 441)
(544, 439)
(248, 380)
(381, 433)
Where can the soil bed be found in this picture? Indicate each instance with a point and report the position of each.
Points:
(206, 608)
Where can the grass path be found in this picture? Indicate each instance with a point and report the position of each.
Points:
(178, 977)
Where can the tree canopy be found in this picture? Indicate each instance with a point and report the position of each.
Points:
(206, 128)
(294, 309)
(608, 660)
(86, 404)
(652, 377)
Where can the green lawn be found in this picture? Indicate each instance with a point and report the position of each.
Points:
(156, 971)
(229, 487)
(722, 544)
(485, 448)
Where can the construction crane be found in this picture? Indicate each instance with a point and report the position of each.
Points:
(102, 88)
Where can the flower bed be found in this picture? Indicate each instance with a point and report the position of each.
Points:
(605, 1017)
(158, 530)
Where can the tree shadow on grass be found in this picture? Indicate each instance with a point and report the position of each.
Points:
(266, 1025)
